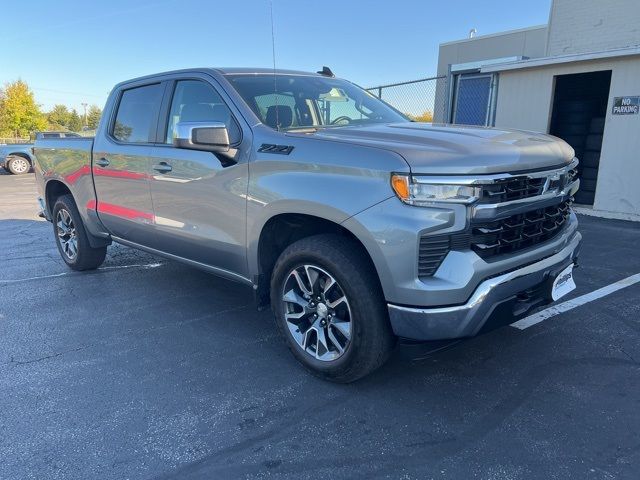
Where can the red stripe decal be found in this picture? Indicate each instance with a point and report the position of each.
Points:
(120, 211)
(74, 176)
(103, 172)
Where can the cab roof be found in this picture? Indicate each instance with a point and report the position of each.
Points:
(258, 71)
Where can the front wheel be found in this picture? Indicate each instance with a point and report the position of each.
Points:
(330, 309)
(71, 237)
(18, 165)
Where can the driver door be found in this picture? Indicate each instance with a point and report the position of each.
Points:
(199, 204)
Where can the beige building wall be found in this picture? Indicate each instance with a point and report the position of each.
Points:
(525, 99)
(526, 42)
(580, 26)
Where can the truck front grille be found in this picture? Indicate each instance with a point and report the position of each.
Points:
(492, 238)
(513, 189)
(518, 231)
(517, 188)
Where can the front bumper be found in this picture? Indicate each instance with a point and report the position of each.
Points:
(496, 301)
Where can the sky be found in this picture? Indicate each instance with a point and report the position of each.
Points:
(72, 51)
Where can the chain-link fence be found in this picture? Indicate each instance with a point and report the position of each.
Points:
(423, 100)
(473, 99)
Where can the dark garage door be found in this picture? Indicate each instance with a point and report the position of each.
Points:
(579, 110)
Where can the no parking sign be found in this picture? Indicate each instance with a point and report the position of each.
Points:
(626, 106)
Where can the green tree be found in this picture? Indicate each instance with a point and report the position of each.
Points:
(20, 115)
(59, 117)
(93, 117)
(426, 116)
(75, 122)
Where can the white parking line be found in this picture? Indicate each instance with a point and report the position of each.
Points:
(575, 302)
(63, 274)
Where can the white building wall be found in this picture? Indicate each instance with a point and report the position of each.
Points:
(526, 42)
(525, 99)
(580, 26)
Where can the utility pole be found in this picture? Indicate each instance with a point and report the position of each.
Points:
(84, 105)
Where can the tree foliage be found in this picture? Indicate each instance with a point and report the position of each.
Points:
(426, 116)
(21, 116)
(19, 113)
(93, 117)
(58, 117)
(75, 122)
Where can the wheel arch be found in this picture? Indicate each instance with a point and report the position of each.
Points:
(283, 229)
(53, 190)
(24, 155)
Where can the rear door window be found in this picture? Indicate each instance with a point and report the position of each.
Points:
(137, 115)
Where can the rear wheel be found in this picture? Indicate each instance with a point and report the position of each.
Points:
(330, 309)
(71, 237)
(18, 165)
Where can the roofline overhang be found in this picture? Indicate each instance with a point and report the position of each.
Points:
(492, 35)
(560, 59)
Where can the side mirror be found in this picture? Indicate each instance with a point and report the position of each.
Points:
(208, 136)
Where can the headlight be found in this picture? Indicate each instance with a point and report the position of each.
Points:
(413, 190)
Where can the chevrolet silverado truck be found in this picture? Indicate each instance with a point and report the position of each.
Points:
(358, 226)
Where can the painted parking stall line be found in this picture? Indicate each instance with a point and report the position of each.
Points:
(64, 274)
(575, 302)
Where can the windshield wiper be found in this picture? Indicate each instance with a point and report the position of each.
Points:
(300, 129)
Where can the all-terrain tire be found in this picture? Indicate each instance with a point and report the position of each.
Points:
(86, 257)
(372, 339)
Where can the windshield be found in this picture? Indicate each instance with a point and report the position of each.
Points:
(286, 102)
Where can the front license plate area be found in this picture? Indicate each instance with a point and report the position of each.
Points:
(563, 283)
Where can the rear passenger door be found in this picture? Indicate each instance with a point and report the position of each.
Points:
(122, 162)
(199, 199)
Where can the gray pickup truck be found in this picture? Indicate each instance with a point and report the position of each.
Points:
(358, 226)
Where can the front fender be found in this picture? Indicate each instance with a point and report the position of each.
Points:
(329, 180)
(262, 215)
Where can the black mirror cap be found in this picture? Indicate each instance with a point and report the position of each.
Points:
(211, 136)
(208, 136)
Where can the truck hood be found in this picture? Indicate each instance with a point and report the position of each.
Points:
(452, 149)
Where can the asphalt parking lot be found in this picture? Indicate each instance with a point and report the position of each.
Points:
(149, 369)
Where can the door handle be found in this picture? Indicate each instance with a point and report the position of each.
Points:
(162, 167)
(102, 162)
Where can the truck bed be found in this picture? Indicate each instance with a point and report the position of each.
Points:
(69, 158)
(66, 163)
